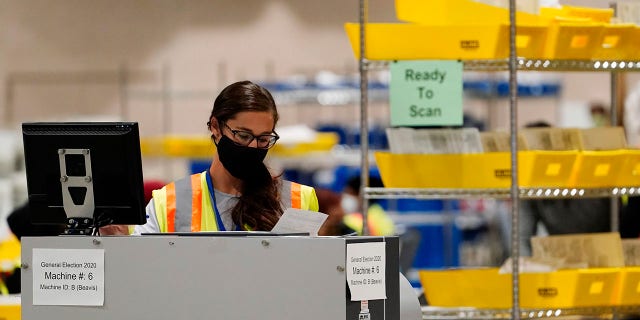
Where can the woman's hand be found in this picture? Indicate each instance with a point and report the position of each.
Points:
(115, 230)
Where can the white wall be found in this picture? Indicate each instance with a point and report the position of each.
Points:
(200, 45)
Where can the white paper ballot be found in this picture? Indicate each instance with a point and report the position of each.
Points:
(297, 220)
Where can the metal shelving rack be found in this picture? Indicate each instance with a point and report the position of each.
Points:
(433, 313)
(524, 64)
(512, 65)
(524, 193)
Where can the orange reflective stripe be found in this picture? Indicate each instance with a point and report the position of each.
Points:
(296, 196)
(196, 203)
(171, 207)
(373, 228)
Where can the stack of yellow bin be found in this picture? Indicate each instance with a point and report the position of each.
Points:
(469, 30)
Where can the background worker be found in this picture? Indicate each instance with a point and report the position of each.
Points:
(329, 203)
(237, 192)
(378, 222)
(558, 216)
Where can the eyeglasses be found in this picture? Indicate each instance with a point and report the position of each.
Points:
(244, 138)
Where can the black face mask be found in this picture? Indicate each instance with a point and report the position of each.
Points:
(242, 162)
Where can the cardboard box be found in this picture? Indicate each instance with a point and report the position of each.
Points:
(594, 249)
(602, 138)
(500, 142)
(553, 139)
(631, 252)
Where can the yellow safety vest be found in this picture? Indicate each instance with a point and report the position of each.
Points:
(378, 221)
(185, 205)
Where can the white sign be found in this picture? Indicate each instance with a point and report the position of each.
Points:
(365, 271)
(426, 93)
(68, 277)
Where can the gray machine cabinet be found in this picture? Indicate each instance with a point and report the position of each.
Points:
(217, 277)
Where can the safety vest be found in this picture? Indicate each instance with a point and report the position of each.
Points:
(378, 221)
(185, 205)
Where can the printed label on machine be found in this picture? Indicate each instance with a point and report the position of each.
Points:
(365, 271)
(68, 277)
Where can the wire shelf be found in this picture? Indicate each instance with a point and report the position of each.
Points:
(537, 65)
(433, 313)
(503, 193)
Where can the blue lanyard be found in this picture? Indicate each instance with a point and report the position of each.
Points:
(212, 194)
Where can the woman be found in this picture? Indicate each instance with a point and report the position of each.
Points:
(238, 191)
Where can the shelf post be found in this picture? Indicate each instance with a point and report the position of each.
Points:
(613, 110)
(513, 106)
(615, 83)
(364, 127)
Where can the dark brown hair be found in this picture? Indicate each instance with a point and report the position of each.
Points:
(259, 205)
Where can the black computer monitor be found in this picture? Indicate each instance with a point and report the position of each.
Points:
(84, 174)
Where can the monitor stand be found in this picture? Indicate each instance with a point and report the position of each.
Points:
(77, 191)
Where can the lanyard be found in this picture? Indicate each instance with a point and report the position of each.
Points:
(212, 194)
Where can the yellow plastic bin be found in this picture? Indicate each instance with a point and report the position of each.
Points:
(482, 170)
(546, 168)
(619, 42)
(420, 170)
(635, 46)
(486, 170)
(573, 40)
(531, 40)
(10, 308)
(568, 288)
(577, 13)
(480, 288)
(488, 289)
(457, 12)
(323, 141)
(9, 251)
(596, 169)
(404, 41)
(188, 146)
(629, 175)
(152, 146)
(628, 290)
